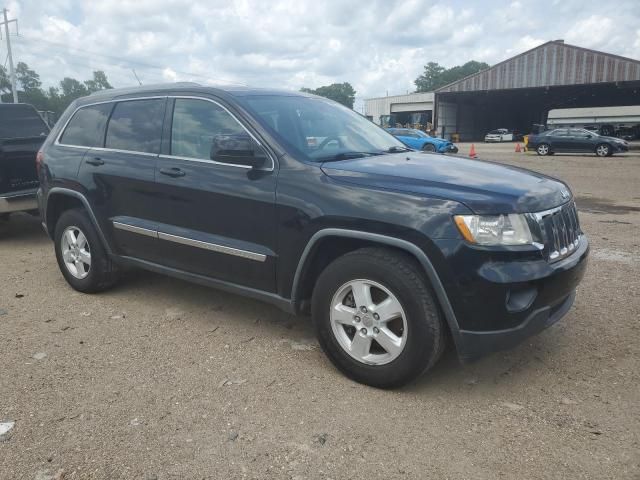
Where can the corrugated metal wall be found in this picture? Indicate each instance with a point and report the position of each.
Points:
(375, 107)
(551, 64)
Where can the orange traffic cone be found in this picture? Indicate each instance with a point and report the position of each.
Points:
(518, 149)
(472, 152)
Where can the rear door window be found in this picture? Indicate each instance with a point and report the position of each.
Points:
(136, 126)
(86, 127)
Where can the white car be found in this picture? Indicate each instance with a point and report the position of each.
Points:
(499, 135)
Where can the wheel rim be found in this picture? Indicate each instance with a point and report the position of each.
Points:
(368, 322)
(602, 150)
(543, 149)
(429, 148)
(76, 252)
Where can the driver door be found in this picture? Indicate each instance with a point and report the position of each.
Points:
(214, 219)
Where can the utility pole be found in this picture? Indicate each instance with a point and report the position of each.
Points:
(12, 72)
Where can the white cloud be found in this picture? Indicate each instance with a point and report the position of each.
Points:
(377, 45)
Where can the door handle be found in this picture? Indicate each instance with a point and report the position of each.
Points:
(172, 172)
(97, 161)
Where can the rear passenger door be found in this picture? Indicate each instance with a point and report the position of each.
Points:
(560, 140)
(214, 219)
(120, 176)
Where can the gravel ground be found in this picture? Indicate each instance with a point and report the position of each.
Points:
(161, 379)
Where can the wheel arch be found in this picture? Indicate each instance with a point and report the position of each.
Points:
(312, 262)
(61, 199)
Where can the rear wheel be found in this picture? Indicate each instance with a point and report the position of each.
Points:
(427, 147)
(81, 257)
(376, 318)
(603, 150)
(543, 149)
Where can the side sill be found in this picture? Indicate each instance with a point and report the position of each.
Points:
(282, 303)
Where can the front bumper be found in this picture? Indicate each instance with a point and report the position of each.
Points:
(450, 149)
(22, 201)
(501, 299)
(620, 147)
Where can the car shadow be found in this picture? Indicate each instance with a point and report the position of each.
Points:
(21, 226)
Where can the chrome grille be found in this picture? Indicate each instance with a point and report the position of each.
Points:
(559, 230)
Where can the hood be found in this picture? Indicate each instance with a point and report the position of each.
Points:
(484, 187)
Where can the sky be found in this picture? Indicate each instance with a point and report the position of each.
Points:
(379, 46)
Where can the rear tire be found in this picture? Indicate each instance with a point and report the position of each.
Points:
(543, 149)
(397, 285)
(82, 259)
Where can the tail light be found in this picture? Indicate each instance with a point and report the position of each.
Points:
(39, 161)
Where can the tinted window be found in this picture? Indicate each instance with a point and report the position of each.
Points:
(559, 133)
(195, 124)
(86, 127)
(136, 126)
(18, 121)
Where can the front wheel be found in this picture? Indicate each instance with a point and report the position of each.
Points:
(543, 149)
(603, 150)
(376, 318)
(427, 147)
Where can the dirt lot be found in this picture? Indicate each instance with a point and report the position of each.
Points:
(163, 379)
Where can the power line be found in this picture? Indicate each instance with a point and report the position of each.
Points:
(120, 60)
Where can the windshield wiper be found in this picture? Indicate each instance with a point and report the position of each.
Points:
(347, 156)
(396, 149)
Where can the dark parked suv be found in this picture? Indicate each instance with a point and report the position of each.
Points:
(298, 201)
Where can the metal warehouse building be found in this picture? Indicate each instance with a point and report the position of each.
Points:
(413, 108)
(519, 92)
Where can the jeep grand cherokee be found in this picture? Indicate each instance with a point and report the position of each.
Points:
(298, 201)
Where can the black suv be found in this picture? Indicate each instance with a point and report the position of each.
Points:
(301, 202)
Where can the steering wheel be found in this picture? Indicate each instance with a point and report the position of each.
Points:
(326, 141)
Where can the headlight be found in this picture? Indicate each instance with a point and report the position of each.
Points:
(509, 229)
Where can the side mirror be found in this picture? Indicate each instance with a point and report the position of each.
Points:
(237, 150)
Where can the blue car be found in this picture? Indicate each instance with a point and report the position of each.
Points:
(422, 141)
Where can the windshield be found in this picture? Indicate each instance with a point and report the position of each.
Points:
(320, 130)
(420, 133)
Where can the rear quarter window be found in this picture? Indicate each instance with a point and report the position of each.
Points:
(21, 121)
(136, 126)
(86, 127)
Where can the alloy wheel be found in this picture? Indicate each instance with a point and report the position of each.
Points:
(76, 252)
(543, 149)
(368, 322)
(602, 150)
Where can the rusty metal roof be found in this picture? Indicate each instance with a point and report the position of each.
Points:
(550, 64)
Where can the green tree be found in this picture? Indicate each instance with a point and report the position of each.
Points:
(436, 76)
(99, 82)
(340, 92)
(26, 78)
(5, 83)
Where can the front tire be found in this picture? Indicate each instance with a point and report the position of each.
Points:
(543, 149)
(81, 256)
(604, 150)
(427, 147)
(376, 317)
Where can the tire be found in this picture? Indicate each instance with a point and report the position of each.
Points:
(427, 147)
(604, 150)
(99, 273)
(543, 149)
(419, 324)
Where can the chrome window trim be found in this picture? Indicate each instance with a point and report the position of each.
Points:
(66, 124)
(134, 229)
(212, 246)
(199, 160)
(192, 97)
